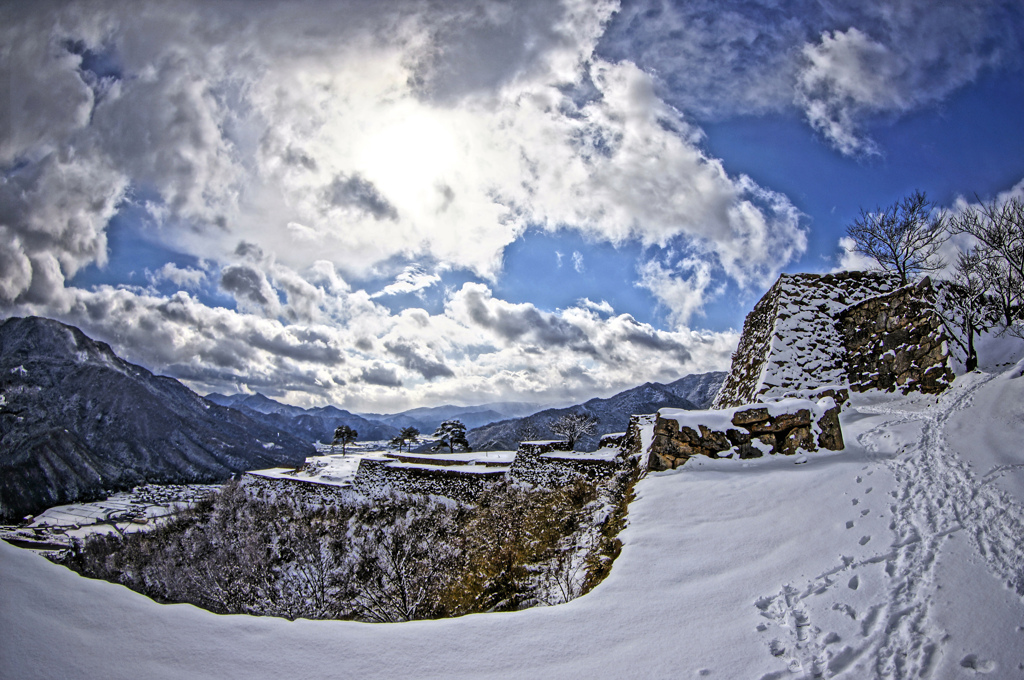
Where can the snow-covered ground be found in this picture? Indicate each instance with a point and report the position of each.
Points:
(125, 511)
(900, 557)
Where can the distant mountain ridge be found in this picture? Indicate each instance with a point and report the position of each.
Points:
(310, 425)
(77, 421)
(427, 418)
(318, 424)
(695, 391)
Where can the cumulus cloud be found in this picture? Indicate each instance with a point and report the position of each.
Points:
(183, 277)
(852, 260)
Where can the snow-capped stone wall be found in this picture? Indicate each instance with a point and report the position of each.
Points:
(783, 426)
(897, 341)
(791, 341)
(554, 463)
(377, 475)
(301, 491)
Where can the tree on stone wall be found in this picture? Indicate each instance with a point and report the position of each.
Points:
(408, 435)
(451, 433)
(344, 435)
(904, 237)
(572, 426)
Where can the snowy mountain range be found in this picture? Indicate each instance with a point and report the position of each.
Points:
(76, 421)
(310, 425)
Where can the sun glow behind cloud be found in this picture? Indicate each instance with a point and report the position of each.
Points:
(334, 165)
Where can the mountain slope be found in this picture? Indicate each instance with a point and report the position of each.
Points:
(76, 420)
(692, 392)
(310, 425)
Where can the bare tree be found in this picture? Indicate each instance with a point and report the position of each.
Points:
(968, 309)
(903, 238)
(572, 426)
(998, 230)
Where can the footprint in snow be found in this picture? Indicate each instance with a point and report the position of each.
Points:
(856, 501)
(854, 583)
(864, 512)
(864, 540)
(868, 490)
(859, 479)
(849, 524)
(972, 663)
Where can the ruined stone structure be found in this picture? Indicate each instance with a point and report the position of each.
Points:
(784, 426)
(896, 341)
(554, 463)
(811, 330)
(378, 474)
(462, 477)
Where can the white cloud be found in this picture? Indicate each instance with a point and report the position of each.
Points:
(844, 65)
(412, 280)
(577, 262)
(852, 260)
(299, 148)
(682, 289)
(478, 349)
(185, 277)
(604, 307)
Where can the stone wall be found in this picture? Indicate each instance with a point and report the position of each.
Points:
(790, 342)
(377, 475)
(784, 427)
(552, 463)
(301, 491)
(897, 341)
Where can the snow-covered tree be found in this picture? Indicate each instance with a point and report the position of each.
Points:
(408, 435)
(451, 433)
(344, 435)
(572, 426)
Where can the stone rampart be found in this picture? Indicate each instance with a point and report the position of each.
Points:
(790, 341)
(897, 341)
(784, 427)
(553, 463)
(300, 490)
(377, 475)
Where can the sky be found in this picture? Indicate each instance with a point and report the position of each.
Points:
(390, 205)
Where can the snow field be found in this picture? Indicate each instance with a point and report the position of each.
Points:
(900, 557)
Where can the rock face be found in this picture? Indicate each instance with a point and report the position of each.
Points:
(811, 331)
(77, 421)
(784, 426)
(897, 341)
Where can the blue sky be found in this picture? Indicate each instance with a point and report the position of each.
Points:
(388, 205)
